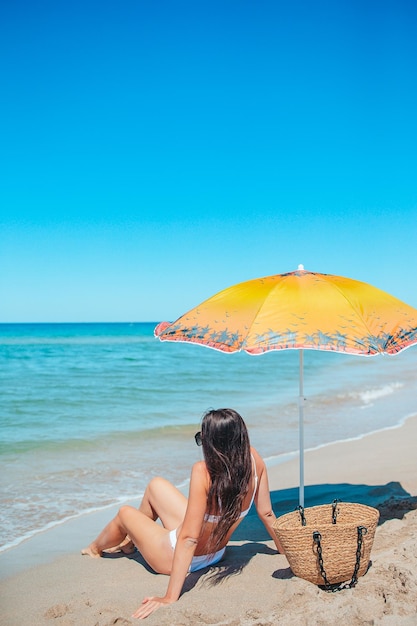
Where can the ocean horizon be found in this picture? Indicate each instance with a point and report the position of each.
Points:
(91, 411)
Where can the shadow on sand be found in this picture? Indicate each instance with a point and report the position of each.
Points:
(391, 500)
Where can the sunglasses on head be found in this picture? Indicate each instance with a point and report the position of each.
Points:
(198, 438)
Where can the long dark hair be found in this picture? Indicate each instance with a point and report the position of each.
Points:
(227, 455)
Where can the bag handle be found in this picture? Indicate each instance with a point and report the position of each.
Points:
(300, 509)
(334, 510)
(362, 530)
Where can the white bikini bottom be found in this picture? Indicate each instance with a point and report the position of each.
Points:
(198, 562)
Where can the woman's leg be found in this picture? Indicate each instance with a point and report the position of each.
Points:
(113, 534)
(151, 539)
(164, 501)
(161, 500)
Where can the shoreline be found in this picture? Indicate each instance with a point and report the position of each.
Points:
(370, 457)
(364, 450)
(65, 537)
(399, 424)
(278, 461)
(272, 461)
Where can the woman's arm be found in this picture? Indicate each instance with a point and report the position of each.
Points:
(186, 542)
(263, 500)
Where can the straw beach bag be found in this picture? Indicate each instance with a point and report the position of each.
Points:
(328, 544)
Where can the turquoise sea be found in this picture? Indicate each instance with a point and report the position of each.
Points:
(90, 412)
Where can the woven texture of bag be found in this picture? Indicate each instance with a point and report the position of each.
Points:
(339, 541)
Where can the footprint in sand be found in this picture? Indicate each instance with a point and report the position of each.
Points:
(58, 610)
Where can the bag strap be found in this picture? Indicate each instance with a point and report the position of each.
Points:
(362, 530)
(300, 509)
(334, 510)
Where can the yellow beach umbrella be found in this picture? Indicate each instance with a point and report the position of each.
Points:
(297, 311)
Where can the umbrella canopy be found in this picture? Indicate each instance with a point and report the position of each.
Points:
(298, 310)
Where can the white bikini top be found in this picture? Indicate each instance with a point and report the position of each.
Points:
(216, 518)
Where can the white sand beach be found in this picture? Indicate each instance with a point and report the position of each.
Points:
(46, 580)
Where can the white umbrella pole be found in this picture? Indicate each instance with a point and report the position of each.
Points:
(301, 430)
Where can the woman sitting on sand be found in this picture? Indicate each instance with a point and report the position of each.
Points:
(194, 532)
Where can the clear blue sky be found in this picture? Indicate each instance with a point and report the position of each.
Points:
(153, 153)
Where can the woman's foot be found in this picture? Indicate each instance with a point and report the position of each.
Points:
(92, 551)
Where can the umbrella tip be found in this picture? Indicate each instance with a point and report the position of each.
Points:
(160, 328)
(301, 266)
